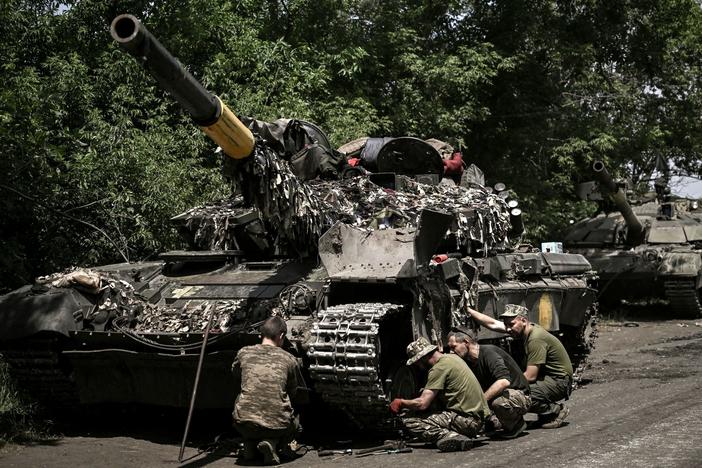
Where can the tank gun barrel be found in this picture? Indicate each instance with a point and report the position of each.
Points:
(206, 109)
(609, 188)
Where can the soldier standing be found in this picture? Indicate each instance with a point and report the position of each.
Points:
(504, 385)
(263, 412)
(548, 367)
(465, 407)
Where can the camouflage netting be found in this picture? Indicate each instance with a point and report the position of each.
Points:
(299, 212)
(211, 224)
(480, 216)
(118, 305)
(288, 206)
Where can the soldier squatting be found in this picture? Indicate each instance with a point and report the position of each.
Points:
(477, 389)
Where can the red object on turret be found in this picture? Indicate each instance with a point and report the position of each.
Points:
(454, 165)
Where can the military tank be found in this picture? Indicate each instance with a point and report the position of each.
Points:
(651, 249)
(403, 252)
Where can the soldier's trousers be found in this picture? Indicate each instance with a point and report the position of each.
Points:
(438, 425)
(547, 392)
(510, 408)
(253, 431)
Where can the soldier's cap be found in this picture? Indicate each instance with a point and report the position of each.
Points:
(419, 348)
(514, 310)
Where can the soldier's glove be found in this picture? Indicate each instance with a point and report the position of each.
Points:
(396, 405)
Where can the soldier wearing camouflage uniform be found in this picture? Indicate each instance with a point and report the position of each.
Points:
(504, 385)
(263, 412)
(464, 409)
(548, 367)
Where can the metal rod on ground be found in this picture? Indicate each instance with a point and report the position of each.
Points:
(197, 380)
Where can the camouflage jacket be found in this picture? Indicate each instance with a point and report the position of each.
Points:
(268, 377)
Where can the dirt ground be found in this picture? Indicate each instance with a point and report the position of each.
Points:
(640, 406)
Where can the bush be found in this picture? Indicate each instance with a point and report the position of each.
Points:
(19, 420)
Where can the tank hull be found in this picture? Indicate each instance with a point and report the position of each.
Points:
(646, 272)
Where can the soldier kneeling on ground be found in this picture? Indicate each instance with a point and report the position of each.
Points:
(263, 412)
(548, 367)
(504, 385)
(452, 428)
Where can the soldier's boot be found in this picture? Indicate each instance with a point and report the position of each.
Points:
(268, 448)
(559, 420)
(249, 452)
(492, 425)
(514, 431)
(454, 442)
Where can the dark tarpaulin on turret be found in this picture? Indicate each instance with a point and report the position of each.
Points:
(302, 144)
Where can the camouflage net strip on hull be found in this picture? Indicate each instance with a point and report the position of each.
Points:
(684, 298)
(344, 352)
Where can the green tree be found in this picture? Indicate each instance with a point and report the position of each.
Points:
(96, 158)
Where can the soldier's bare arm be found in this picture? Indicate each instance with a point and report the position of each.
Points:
(236, 370)
(422, 402)
(531, 373)
(496, 389)
(487, 321)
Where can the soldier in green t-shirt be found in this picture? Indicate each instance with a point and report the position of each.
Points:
(548, 367)
(464, 406)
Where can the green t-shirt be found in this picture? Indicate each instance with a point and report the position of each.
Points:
(545, 350)
(461, 390)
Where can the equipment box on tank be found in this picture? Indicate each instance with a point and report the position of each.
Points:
(552, 247)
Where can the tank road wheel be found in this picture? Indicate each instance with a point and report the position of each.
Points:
(344, 355)
(685, 300)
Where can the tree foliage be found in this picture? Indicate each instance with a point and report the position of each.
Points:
(96, 158)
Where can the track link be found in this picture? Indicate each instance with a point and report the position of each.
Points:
(344, 354)
(586, 339)
(684, 298)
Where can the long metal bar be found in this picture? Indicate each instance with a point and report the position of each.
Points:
(634, 235)
(195, 385)
(133, 37)
(208, 111)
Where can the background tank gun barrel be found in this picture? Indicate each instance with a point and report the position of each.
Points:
(609, 188)
(206, 109)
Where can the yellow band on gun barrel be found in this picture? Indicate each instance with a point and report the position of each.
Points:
(231, 135)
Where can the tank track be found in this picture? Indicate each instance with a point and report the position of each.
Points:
(36, 369)
(588, 337)
(344, 351)
(684, 298)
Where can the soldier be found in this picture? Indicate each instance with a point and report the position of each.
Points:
(504, 385)
(548, 367)
(263, 413)
(465, 407)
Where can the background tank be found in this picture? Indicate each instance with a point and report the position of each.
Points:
(650, 248)
(403, 253)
